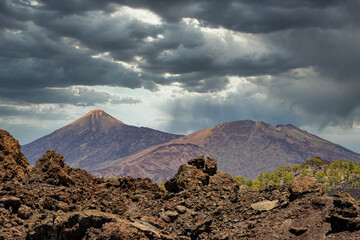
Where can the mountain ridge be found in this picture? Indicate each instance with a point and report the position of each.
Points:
(94, 140)
(108, 147)
(241, 147)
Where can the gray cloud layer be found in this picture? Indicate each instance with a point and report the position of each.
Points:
(48, 47)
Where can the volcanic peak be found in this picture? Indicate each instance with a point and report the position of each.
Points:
(96, 120)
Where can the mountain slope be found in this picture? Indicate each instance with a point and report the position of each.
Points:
(241, 148)
(95, 140)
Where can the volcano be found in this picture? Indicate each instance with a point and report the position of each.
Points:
(96, 140)
(241, 148)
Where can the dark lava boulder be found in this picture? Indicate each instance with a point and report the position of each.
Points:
(51, 169)
(132, 184)
(345, 214)
(92, 224)
(200, 172)
(13, 164)
(208, 165)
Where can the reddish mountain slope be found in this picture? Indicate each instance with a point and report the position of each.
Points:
(95, 140)
(240, 148)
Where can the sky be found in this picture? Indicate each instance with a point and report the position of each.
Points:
(181, 66)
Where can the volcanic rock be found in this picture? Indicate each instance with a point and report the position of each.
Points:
(208, 166)
(200, 172)
(181, 209)
(59, 202)
(344, 195)
(13, 164)
(345, 214)
(169, 216)
(24, 212)
(303, 185)
(188, 177)
(11, 202)
(51, 169)
(91, 225)
(264, 205)
(133, 184)
(223, 181)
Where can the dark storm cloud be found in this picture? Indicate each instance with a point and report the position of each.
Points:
(78, 96)
(333, 101)
(203, 112)
(14, 13)
(276, 101)
(50, 43)
(334, 52)
(244, 16)
(120, 36)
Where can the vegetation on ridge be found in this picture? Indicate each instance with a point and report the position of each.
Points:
(337, 175)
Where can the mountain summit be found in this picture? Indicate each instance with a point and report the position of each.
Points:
(96, 120)
(241, 148)
(95, 140)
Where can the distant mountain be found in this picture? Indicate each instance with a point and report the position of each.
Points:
(240, 148)
(95, 140)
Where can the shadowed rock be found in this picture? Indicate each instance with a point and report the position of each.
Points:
(13, 164)
(187, 177)
(51, 169)
(207, 165)
(201, 172)
(133, 184)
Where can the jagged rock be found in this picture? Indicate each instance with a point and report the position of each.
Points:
(51, 169)
(304, 185)
(345, 214)
(59, 202)
(159, 224)
(188, 177)
(340, 223)
(13, 164)
(264, 205)
(11, 202)
(200, 172)
(130, 183)
(168, 216)
(126, 230)
(207, 165)
(91, 225)
(344, 195)
(181, 209)
(320, 201)
(202, 227)
(24, 212)
(223, 181)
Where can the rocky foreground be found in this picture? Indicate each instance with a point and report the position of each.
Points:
(53, 201)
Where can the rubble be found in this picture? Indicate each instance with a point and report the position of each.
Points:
(54, 201)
